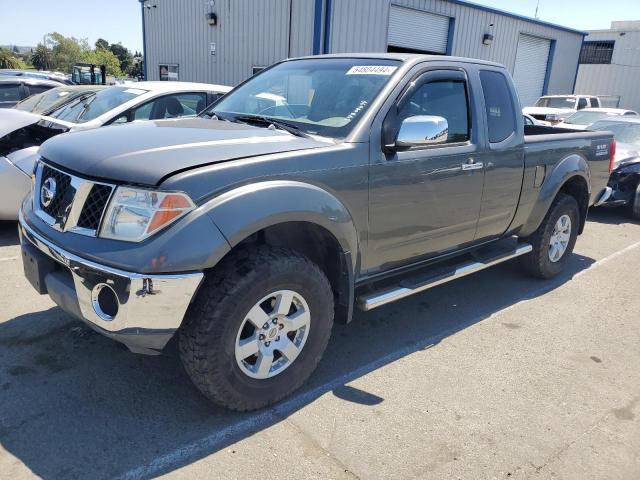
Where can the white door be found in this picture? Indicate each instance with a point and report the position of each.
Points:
(418, 30)
(531, 68)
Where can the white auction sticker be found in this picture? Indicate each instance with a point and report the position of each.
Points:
(371, 70)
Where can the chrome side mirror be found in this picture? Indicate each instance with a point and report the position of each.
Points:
(422, 130)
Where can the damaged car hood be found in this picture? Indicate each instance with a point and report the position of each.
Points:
(147, 152)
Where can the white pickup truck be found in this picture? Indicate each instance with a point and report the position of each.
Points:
(555, 108)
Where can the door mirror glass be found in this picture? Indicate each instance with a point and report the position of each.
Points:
(422, 130)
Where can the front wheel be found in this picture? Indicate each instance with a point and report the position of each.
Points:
(257, 328)
(554, 239)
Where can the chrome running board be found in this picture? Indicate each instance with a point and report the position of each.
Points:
(406, 288)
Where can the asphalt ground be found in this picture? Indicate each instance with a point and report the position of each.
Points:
(496, 375)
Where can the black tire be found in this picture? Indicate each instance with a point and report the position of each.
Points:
(208, 335)
(635, 203)
(537, 263)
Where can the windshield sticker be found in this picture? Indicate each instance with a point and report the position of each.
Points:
(135, 91)
(371, 70)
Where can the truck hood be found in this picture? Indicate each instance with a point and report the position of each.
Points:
(147, 152)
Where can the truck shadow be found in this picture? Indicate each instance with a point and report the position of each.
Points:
(8, 233)
(611, 216)
(76, 405)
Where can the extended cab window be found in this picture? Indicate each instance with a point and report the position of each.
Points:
(447, 99)
(582, 103)
(501, 117)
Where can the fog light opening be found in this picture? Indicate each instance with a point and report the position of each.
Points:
(105, 301)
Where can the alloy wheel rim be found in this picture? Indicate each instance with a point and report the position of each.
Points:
(272, 334)
(559, 241)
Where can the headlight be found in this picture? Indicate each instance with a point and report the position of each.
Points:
(135, 214)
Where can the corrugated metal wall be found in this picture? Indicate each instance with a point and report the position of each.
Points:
(622, 76)
(249, 33)
(256, 32)
(361, 25)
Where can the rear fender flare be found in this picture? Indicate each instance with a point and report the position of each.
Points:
(567, 169)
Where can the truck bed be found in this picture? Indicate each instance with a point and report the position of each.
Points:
(551, 145)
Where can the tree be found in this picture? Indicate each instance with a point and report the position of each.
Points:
(123, 54)
(136, 70)
(102, 43)
(41, 57)
(100, 56)
(7, 60)
(65, 51)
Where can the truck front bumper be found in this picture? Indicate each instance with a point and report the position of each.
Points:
(143, 311)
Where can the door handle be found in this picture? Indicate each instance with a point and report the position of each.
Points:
(471, 164)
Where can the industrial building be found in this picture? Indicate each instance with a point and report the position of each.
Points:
(226, 41)
(610, 65)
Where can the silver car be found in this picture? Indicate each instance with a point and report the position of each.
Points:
(22, 132)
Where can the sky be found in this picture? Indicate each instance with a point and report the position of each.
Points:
(24, 22)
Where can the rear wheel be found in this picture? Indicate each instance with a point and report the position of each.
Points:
(554, 239)
(258, 327)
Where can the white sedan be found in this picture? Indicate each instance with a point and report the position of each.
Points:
(586, 117)
(22, 132)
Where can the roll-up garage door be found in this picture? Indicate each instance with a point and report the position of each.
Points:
(417, 30)
(531, 68)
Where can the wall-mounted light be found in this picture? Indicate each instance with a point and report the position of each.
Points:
(212, 19)
(487, 39)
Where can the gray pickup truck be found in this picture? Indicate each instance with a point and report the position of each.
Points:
(320, 184)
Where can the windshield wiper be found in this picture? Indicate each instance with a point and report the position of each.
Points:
(267, 121)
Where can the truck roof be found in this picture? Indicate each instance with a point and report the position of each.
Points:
(403, 57)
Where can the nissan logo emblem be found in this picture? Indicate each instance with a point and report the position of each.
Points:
(48, 191)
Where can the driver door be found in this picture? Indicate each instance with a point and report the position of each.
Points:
(425, 200)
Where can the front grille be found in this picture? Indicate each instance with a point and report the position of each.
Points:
(94, 206)
(64, 192)
(76, 204)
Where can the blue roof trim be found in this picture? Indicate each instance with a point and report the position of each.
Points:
(327, 26)
(452, 28)
(144, 42)
(317, 27)
(466, 3)
(550, 59)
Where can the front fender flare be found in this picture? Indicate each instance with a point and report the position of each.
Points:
(245, 210)
(568, 168)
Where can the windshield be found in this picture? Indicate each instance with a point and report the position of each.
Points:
(586, 118)
(323, 97)
(624, 132)
(50, 100)
(87, 109)
(556, 102)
